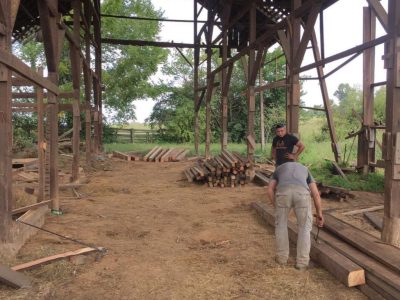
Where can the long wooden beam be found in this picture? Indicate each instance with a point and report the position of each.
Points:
(18, 66)
(345, 53)
(152, 43)
(271, 85)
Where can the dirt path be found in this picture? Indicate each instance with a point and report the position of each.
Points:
(167, 239)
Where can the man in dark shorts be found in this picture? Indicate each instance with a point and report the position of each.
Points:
(283, 144)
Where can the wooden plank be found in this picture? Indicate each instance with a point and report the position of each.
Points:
(29, 207)
(145, 158)
(362, 210)
(380, 12)
(158, 157)
(121, 155)
(154, 154)
(182, 155)
(342, 268)
(14, 279)
(165, 157)
(368, 244)
(376, 220)
(46, 260)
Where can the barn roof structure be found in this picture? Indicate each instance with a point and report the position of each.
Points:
(241, 30)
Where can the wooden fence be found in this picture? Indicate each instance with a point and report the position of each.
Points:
(129, 135)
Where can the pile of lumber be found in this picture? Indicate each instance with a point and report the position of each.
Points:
(351, 255)
(160, 154)
(334, 192)
(263, 176)
(226, 169)
(125, 156)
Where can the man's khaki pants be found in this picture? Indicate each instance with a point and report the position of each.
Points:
(299, 198)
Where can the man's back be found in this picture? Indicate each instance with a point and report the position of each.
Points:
(292, 173)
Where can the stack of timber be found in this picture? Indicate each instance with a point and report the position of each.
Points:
(160, 154)
(349, 254)
(125, 156)
(263, 176)
(224, 170)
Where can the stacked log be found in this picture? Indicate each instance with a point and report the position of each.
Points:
(160, 154)
(224, 170)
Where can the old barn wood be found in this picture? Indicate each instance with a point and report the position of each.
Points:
(243, 31)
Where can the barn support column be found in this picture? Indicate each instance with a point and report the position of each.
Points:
(292, 112)
(97, 78)
(76, 74)
(366, 139)
(52, 39)
(41, 141)
(6, 201)
(196, 79)
(391, 143)
(210, 81)
(225, 78)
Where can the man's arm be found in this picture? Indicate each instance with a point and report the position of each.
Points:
(300, 147)
(317, 203)
(271, 192)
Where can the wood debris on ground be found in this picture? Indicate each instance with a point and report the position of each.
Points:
(160, 154)
(334, 192)
(223, 170)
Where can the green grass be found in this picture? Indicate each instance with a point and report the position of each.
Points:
(314, 157)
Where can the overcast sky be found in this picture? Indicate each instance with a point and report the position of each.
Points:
(343, 30)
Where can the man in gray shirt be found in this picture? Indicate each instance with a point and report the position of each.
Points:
(293, 186)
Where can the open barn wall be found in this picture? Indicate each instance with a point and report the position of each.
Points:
(51, 22)
(252, 27)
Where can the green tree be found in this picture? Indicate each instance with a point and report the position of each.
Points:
(127, 69)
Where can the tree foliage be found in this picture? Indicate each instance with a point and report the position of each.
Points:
(127, 69)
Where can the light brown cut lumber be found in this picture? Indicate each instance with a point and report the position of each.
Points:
(342, 268)
(359, 211)
(158, 156)
(230, 155)
(181, 155)
(146, 157)
(121, 155)
(154, 154)
(175, 154)
(14, 279)
(188, 175)
(29, 207)
(165, 157)
(374, 219)
(48, 259)
(227, 160)
(366, 243)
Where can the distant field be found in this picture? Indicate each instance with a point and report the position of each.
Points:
(135, 125)
(315, 156)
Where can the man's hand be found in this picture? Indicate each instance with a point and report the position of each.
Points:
(291, 156)
(320, 220)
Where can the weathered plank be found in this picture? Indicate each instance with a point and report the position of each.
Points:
(13, 278)
(376, 220)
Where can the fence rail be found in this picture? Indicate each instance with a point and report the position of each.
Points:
(130, 135)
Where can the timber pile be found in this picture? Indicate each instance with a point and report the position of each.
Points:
(226, 169)
(344, 250)
(263, 176)
(160, 154)
(334, 192)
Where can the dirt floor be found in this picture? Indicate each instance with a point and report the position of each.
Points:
(170, 239)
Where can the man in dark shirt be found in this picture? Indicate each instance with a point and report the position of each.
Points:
(283, 144)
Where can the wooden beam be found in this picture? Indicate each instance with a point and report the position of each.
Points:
(342, 268)
(29, 207)
(271, 85)
(345, 53)
(16, 65)
(40, 141)
(152, 43)
(308, 31)
(380, 12)
(14, 279)
(49, 259)
(366, 243)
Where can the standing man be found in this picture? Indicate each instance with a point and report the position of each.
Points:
(293, 186)
(283, 144)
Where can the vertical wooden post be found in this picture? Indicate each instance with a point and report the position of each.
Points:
(366, 140)
(292, 114)
(40, 140)
(210, 81)
(88, 89)
(325, 98)
(251, 103)
(391, 220)
(6, 201)
(262, 123)
(225, 78)
(76, 72)
(97, 91)
(196, 59)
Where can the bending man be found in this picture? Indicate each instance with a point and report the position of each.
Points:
(292, 185)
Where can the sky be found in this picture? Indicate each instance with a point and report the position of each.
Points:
(342, 30)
